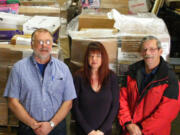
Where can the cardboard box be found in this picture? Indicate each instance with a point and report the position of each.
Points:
(3, 72)
(65, 47)
(120, 5)
(12, 120)
(95, 21)
(139, 6)
(3, 112)
(39, 10)
(35, 2)
(79, 47)
(10, 54)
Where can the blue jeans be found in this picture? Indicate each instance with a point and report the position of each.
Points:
(60, 129)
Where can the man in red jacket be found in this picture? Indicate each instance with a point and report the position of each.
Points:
(149, 97)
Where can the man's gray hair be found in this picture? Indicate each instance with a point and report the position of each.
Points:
(40, 30)
(158, 43)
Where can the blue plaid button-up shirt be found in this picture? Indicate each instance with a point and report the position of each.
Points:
(40, 96)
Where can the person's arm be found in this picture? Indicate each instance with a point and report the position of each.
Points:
(107, 124)
(167, 110)
(124, 114)
(12, 90)
(76, 110)
(21, 113)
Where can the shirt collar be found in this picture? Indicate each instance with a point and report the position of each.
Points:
(34, 61)
(152, 72)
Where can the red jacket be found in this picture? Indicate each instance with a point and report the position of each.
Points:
(156, 107)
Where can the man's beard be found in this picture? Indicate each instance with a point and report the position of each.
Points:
(42, 57)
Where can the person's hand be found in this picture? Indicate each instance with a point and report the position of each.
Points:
(44, 129)
(35, 125)
(133, 129)
(93, 132)
(100, 132)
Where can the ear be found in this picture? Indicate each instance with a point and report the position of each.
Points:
(160, 51)
(32, 44)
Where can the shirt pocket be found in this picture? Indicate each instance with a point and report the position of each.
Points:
(57, 85)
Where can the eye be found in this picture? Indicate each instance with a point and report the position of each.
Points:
(48, 42)
(41, 42)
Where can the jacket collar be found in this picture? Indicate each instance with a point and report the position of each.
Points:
(162, 72)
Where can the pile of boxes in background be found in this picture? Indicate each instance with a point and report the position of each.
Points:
(119, 33)
(121, 36)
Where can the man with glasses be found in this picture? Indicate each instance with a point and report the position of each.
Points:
(148, 98)
(40, 89)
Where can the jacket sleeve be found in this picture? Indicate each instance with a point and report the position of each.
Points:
(76, 110)
(107, 124)
(124, 115)
(166, 111)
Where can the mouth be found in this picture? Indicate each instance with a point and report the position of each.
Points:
(148, 57)
(44, 50)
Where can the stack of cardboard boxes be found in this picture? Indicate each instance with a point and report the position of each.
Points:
(121, 40)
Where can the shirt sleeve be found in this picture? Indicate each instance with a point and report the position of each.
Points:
(76, 110)
(69, 92)
(13, 84)
(107, 124)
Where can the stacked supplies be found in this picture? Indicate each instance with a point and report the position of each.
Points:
(11, 24)
(9, 6)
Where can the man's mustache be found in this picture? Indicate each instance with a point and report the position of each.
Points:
(44, 49)
(148, 56)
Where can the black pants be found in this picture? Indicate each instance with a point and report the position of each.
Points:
(60, 129)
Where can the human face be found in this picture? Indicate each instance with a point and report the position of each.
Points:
(151, 54)
(42, 45)
(94, 60)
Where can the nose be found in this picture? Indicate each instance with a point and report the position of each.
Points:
(93, 57)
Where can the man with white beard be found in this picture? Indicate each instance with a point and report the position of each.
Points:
(40, 89)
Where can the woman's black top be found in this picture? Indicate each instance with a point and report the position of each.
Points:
(96, 110)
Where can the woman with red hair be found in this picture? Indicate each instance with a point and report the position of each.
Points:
(97, 90)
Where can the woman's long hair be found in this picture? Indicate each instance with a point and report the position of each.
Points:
(103, 70)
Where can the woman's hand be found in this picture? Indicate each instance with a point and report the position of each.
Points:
(99, 132)
(94, 132)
